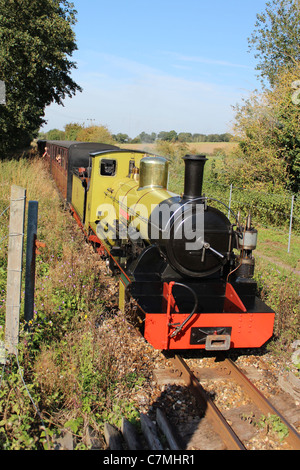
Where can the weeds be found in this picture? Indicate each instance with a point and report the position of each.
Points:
(270, 424)
(69, 362)
(279, 288)
(273, 424)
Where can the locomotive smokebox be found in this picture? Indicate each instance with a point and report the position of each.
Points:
(193, 177)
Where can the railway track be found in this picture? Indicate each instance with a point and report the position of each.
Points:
(217, 429)
(220, 424)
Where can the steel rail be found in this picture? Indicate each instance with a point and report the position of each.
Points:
(218, 421)
(261, 402)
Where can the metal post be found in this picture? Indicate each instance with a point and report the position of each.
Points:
(291, 223)
(229, 205)
(14, 268)
(30, 261)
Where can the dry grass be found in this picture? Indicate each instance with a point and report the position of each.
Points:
(79, 360)
(209, 148)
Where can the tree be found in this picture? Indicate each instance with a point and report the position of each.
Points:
(147, 138)
(255, 163)
(213, 138)
(185, 137)
(168, 136)
(36, 41)
(122, 138)
(55, 134)
(72, 130)
(287, 133)
(95, 134)
(199, 137)
(276, 38)
(225, 137)
(267, 125)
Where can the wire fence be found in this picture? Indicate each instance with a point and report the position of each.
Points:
(3, 228)
(281, 212)
(4, 234)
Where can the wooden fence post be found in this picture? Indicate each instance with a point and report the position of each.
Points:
(30, 261)
(14, 267)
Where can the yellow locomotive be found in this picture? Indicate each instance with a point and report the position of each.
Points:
(174, 253)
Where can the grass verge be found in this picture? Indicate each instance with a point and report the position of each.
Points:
(77, 365)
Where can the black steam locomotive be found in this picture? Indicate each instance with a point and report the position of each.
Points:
(187, 268)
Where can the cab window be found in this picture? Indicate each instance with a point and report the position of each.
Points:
(108, 167)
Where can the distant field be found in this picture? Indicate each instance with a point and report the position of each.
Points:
(194, 147)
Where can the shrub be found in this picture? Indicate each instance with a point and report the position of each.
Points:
(95, 134)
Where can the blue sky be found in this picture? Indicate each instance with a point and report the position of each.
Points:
(160, 65)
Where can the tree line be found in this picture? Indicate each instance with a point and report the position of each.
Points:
(267, 123)
(75, 131)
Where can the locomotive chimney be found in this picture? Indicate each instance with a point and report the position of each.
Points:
(193, 177)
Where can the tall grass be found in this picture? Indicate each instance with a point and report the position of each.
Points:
(279, 288)
(76, 359)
